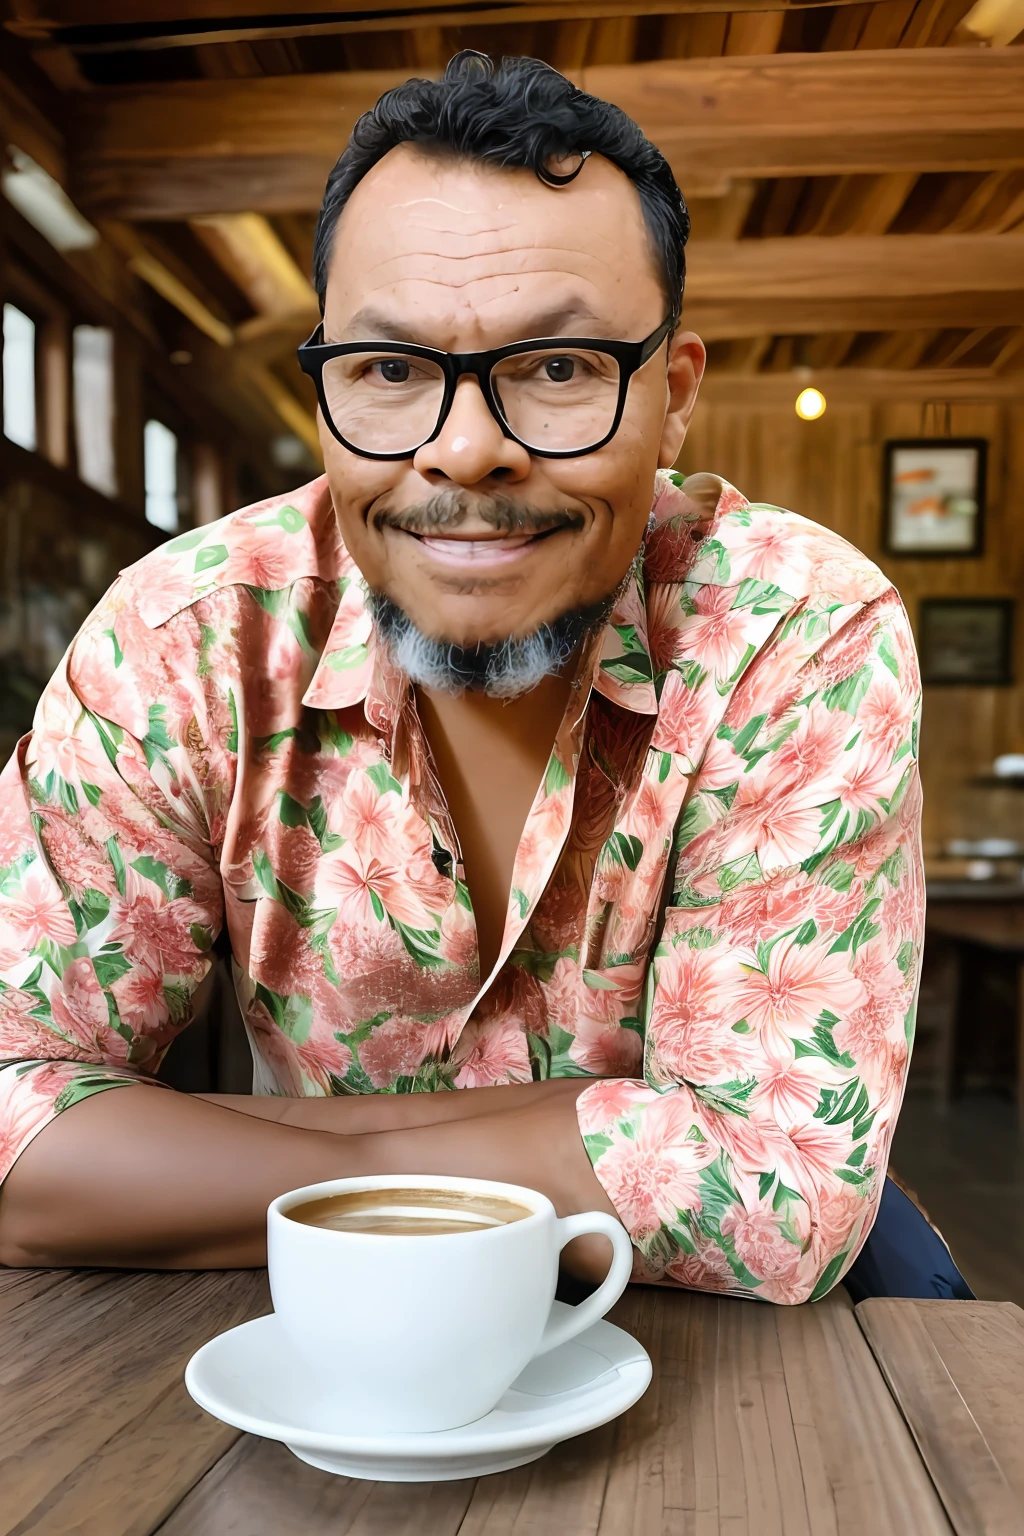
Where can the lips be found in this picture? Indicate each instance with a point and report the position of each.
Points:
(481, 552)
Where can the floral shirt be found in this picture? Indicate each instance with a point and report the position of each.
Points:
(715, 919)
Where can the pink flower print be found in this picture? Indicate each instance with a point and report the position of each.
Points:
(811, 752)
(692, 1018)
(886, 711)
(839, 571)
(821, 1148)
(392, 1050)
(717, 633)
(16, 836)
(664, 619)
(612, 1099)
(154, 932)
(368, 817)
(708, 1270)
(801, 982)
(840, 1209)
(760, 1244)
(869, 777)
(276, 1050)
(258, 556)
(605, 1048)
(63, 742)
(649, 1178)
(772, 684)
(73, 855)
(788, 1091)
(348, 881)
(108, 691)
(458, 936)
(782, 826)
(764, 908)
(491, 1053)
(774, 549)
(902, 911)
(79, 1008)
(142, 1003)
(871, 1028)
(37, 911)
(685, 714)
(162, 590)
(844, 653)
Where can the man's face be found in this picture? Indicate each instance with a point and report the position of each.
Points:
(464, 258)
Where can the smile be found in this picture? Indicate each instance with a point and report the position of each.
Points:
(486, 552)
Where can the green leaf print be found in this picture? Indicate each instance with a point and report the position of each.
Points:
(764, 1183)
(110, 967)
(829, 1275)
(761, 596)
(822, 1044)
(171, 884)
(92, 792)
(727, 1098)
(290, 519)
(92, 907)
(209, 556)
(625, 849)
(522, 901)
(806, 932)
(290, 812)
(848, 695)
(383, 780)
(185, 541)
(117, 864)
(347, 658)
(717, 1192)
(422, 946)
(888, 656)
(232, 743)
(537, 962)
(84, 1087)
(861, 931)
(556, 777)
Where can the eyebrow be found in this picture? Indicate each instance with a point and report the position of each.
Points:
(374, 325)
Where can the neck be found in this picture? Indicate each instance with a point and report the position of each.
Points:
(529, 721)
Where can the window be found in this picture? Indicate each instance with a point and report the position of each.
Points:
(92, 377)
(160, 459)
(19, 378)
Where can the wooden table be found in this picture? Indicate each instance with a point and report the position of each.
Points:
(760, 1421)
(978, 928)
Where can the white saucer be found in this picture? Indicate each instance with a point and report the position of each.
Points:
(248, 1377)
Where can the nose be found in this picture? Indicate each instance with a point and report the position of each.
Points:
(471, 446)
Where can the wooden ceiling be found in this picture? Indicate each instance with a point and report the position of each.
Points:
(855, 171)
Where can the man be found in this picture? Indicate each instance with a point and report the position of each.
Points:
(503, 760)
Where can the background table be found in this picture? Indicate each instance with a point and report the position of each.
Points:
(760, 1421)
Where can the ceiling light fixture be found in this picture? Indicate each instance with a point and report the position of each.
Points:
(810, 404)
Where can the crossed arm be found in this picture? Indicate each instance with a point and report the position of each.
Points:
(231, 1154)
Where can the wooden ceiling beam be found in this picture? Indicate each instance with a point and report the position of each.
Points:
(88, 26)
(807, 285)
(193, 147)
(850, 386)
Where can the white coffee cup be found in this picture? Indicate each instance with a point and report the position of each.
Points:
(419, 1333)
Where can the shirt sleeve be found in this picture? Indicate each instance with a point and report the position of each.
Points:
(110, 896)
(781, 994)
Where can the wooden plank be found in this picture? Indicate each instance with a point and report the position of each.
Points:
(261, 1489)
(217, 146)
(100, 1437)
(957, 1371)
(91, 27)
(760, 1421)
(848, 386)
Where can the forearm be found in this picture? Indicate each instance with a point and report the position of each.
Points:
(361, 1114)
(140, 1177)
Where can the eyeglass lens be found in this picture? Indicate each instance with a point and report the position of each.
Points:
(561, 400)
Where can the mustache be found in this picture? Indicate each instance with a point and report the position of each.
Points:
(450, 509)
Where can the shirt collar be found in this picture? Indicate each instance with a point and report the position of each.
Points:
(354, 668)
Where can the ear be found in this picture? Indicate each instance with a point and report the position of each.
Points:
(686, 359)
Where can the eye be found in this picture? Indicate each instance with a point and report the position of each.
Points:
(560, 369)
(394, 370)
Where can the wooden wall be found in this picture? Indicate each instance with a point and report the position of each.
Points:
(831, 470)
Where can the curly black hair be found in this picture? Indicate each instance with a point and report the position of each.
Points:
(520, 113)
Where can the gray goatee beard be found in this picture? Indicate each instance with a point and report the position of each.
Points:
(505, 669)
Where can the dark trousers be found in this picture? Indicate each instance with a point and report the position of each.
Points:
(904, 1257)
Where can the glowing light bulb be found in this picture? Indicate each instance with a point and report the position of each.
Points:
(810, 404)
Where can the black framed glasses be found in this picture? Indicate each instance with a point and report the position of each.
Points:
(556, 396)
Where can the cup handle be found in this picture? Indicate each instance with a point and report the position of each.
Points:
(561, 1329)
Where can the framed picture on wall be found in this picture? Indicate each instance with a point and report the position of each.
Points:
(966, 641)
(933, 496)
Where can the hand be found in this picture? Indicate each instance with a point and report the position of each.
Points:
(535, 1141)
